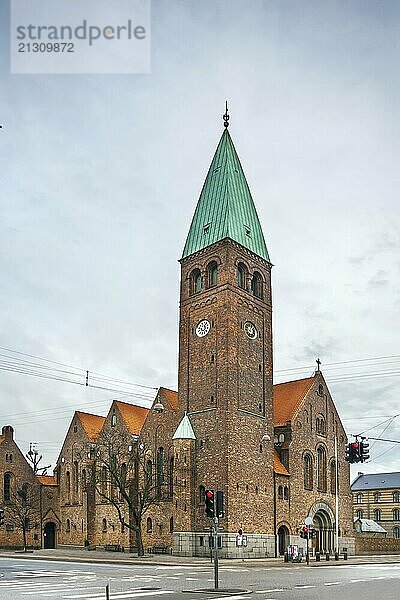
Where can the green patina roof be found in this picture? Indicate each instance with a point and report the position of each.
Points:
(184, 430)
(225, 208)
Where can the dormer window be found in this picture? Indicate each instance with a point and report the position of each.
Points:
(247, 230)
(206, 229)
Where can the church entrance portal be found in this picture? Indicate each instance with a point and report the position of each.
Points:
(325, 534)
(283, 539)
(49, 535)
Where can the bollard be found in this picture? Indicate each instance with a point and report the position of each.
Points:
(336, 556)
(317, 556)
(107, 592)
(286, 557)
(344, 554)
(327, 556)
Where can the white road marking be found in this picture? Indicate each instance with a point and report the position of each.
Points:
(126, 595)
(268, 591)
(304, 587)
(334, 583)
(357, 580)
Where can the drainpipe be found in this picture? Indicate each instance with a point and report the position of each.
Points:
(275, 539)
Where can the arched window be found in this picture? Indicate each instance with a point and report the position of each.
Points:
(280, 492)
(84, 482)
(7, 487)
(68, 483)
(396, 514)
(333, 476)
(396, 532)
(149, 525)
(396, 496)
(377, 514)
(113, 420)
(160, 469)
(104, 525)
(359, 498)
(286, 492)
(195, 282)
(308, 472)
(212, 274)
(68, 527)
(202, 494)
(321, 469)
(320, 425)
(359, 514)
(171, 476)
(377, 497)
(171, 525)
(257, 285)
(242, 276)
(76, 476)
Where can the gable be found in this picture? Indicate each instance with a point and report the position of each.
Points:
(288, 398)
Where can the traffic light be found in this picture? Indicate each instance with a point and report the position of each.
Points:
(364, 451)
(1, 516)
(220, 504)
(304, 533)
(353, 452)
(210, 503)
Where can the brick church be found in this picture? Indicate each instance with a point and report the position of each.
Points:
(269, 448)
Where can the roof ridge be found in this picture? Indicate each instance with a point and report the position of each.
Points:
(294, 380)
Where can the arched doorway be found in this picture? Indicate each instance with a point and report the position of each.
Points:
(49, 535)
(283, 539)
(323, 524)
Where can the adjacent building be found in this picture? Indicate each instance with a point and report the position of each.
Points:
(376, 496)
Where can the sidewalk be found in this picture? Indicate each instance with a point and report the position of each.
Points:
(101, 556)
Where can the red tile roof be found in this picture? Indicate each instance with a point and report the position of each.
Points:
(171, 396)
(288, 397)
(92, 424)
(133, 416)
(47, 479)
(278, 466)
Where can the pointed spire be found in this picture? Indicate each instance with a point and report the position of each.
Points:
(184, 430)
(225, 208)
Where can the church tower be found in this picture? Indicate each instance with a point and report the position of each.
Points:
(225, 355)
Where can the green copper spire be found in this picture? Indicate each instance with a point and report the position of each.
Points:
(225, 208)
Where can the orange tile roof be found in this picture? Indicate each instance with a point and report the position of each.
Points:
(288, 397)
(171, 396)
(47, 479)
(278, 466)
(133, 416)
(92, 424)
(1, 439)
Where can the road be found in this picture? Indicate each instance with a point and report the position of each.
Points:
(24, 579)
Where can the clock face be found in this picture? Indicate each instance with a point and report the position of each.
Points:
(250, 330)
(203, 328)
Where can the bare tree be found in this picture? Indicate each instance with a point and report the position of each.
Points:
(23, 507)
(124, 475)
(34, 459)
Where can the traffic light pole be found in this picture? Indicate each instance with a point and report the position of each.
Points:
(215, 536)
(307, 549)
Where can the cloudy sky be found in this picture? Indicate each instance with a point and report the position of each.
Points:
(100, 175)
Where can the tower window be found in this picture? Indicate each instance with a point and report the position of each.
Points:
(212, 274)
(257, 285)
(242, 276)
(195, 282)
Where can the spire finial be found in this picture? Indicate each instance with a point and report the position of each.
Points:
(226, 115)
